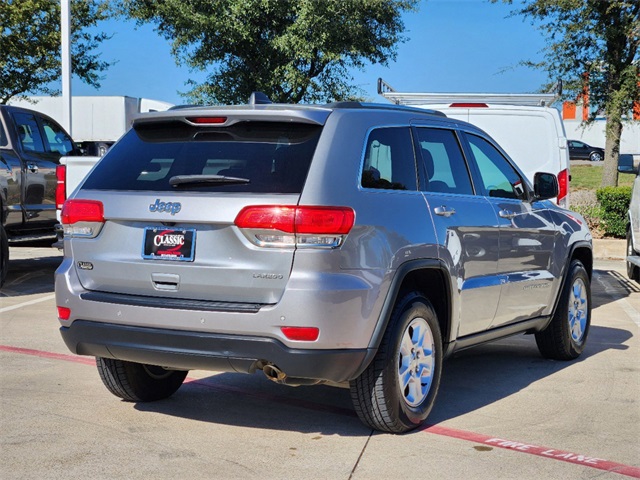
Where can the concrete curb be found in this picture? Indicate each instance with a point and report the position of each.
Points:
(609, 248)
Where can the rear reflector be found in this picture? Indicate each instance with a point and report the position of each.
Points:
(74, 211)
(207, 120)
(64, 313)
(469, 105)
(301, 334)
(295, 219)
(61, 188)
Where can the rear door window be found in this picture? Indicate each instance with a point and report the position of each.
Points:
(261, 157)
(59, 141)
(28, 133)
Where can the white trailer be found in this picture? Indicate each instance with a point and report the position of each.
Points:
(97, 121)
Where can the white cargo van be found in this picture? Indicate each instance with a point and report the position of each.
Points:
(526, 127)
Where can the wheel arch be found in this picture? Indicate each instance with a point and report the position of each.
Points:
(427, 276)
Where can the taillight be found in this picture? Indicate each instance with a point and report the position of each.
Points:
(290, 225)
(563, 187)
(82, 218)
(61, 188)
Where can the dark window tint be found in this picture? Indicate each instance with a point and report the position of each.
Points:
(59, 141)
(28, 133)
(3, 137)
(497, 176)
(389, 161)
(268, 158)
(444, 164)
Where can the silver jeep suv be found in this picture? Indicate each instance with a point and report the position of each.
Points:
(347, 244)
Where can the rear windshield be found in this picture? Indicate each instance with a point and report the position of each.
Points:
(261, 157)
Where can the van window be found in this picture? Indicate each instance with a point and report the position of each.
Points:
(389, 161)
(443, 161)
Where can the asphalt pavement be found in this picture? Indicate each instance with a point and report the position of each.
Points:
(503, 412)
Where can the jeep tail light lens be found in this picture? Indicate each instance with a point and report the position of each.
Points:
(64, 313)
(291, 225)
(301, 334)
(82, 218)
(563, 188)
(61, 188)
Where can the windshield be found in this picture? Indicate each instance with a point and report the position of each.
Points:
(269, 157)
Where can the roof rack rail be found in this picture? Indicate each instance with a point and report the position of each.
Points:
(414, 98)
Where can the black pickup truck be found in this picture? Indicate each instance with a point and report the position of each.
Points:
(31, 179)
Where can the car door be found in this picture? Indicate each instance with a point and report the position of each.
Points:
(526, 235)
(466, 227)
(38, 170)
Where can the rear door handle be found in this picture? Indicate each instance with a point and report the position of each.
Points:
(444, 211)
(32, 167)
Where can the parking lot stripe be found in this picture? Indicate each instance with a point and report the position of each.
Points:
(540, 451)
(26, 304)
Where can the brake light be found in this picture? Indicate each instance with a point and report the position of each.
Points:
(301, 334)
(61, 187)
(207, 120)
(82, 218)
(289, 225)
(468, 105)
(563, 187)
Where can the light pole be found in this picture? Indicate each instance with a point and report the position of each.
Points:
(65, 37)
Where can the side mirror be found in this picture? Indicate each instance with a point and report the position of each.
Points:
(545, 186)
(627, 169)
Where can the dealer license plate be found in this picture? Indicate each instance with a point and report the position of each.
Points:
(161, 243)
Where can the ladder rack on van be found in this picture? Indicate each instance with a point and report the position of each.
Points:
(411, 98)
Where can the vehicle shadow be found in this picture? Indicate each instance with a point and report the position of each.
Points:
(610, 285)
(30, 272)
(472, 379)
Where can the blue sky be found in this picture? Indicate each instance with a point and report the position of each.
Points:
(452, 46)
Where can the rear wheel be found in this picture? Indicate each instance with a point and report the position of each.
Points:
(136, 382)
(566, 335)
(4, 255)
(633, 272)
(398, 389)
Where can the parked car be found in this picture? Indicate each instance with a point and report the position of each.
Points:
(31, 145)
(346, 244)
(581, 151)
(633, 227)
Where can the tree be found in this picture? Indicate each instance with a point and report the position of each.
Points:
(291, 50)
(594, 47)
(30, 45)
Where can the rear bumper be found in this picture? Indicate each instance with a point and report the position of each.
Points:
(186, 350)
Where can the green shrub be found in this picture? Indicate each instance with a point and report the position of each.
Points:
(614, 202)
(592, 213)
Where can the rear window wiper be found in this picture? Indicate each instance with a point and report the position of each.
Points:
(205, 180)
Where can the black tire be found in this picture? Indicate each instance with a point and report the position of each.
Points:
(633, 272)
(136, 382)
(566, 336)
(595, 156)
(4, 255)
(377, 395)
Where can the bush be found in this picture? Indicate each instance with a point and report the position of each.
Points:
(614, 202)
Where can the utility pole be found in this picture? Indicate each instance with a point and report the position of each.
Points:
(65, 37)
